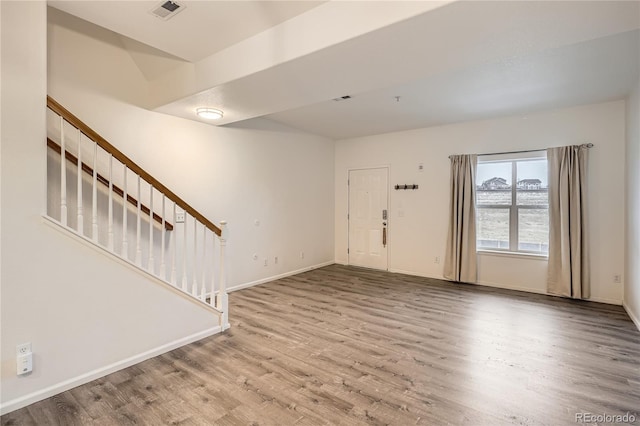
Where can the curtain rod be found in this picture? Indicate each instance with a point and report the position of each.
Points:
(588, 145)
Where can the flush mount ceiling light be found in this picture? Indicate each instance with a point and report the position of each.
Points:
(209, 113)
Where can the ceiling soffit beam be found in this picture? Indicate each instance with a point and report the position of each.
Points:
(441, 40)
(326, 25)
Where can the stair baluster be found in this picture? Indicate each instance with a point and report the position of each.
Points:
(194, 286)
(63, 175)
(110, 219)
(150, 264)
(80, 221)
(94, 197)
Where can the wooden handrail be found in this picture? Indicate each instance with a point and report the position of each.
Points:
(94, 136)
(103, 180)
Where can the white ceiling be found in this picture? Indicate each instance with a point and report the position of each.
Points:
(200, 30)
(448, 62)
(588, 72)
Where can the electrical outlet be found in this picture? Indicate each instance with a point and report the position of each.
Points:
(301, 255)
(24, 364)
(24, 359)
(180, 217)
(437, 259)
(617, 278)
(266, 262)
(23, 349)
(275, 260)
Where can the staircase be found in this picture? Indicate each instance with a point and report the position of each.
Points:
(97, 193)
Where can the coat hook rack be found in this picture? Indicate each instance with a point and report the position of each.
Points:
(403, 187)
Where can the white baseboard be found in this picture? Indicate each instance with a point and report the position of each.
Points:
(632, 315)
(480, 283)
(604, 300)
(47, 392)
(513, 287)
(538, 291)
(414, 274)
(277, 277)
(509, 287)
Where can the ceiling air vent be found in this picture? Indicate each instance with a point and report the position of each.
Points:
(166, 9)
(342, 98)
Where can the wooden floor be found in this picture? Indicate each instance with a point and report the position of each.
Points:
(347, 346)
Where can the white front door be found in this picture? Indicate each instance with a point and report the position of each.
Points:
(368, 204)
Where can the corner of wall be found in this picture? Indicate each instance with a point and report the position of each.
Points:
(632, 315)
(631, 296)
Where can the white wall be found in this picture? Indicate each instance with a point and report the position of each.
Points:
(84, 313)
(632, 283)
(256, 171)
(417, 238)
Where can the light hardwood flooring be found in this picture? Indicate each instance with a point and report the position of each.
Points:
(349, 346)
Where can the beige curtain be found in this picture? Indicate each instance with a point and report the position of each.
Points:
(460, 258)
(568, 273)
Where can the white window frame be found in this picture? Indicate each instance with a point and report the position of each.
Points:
(513, 208)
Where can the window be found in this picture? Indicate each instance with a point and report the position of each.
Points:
(512, 202)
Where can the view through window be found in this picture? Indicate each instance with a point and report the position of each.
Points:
(512, 201)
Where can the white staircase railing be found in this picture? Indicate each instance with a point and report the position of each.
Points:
(101, 195)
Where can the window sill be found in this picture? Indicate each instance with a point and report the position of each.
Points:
(522, 255)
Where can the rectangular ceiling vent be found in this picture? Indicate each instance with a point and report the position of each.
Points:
(166, 9)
